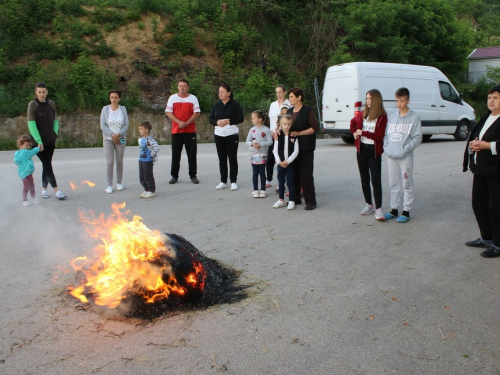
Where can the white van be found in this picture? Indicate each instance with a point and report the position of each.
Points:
(432, 96)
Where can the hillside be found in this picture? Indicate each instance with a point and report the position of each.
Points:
(139, 60)
(82, 48)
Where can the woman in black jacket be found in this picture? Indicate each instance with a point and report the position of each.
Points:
(226, 114)
(304, 126)
(481, 155)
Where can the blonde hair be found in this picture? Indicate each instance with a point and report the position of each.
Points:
(376, 108)
(286, 116)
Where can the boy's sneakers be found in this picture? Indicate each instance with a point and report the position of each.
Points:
(221, 186)
(45, 194)
(403, 219)
(108, 190)
(26, 204)
(262, 194)
(120, 187)
(389, 216)
(143, 194)
(367, 210)
(149, 194)
(60, 195)
(291, 205)
(268, 184)
(279, 204)
(379, 214)
(234, 186)
(35, 201)
(255, 193)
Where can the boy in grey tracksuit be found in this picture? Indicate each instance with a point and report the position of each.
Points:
(402, 135)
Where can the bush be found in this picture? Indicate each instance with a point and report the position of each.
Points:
(132, 97)
(110, 19)
(201, 84)
(147, 69)
(104, 51)
(257, 91)
(73, 7)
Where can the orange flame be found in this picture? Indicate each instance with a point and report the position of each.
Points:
(127, 262)
(88, 183)
(72, 185)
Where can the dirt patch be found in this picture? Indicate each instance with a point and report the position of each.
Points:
(139, 59)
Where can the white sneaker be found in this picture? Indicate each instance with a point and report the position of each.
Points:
(35, 201)
(120, 187)
(221, 186)
(234, 186)
(26, 204)
(367, 210)
(255, 193)
(291, 205)
(379, 214)
(109, 190)
(279, 204)
(262, 194)
(149, 194)
(143, 194)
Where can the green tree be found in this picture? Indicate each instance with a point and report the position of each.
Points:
(424, 32)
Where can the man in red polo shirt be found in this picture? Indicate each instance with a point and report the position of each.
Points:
(183, 109)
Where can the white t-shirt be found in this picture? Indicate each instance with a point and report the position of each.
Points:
(368, 126)
(489, 121)
(274, 111)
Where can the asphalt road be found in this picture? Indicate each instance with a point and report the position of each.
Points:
(332, 292)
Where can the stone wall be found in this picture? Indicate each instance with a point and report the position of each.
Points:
(85, 130)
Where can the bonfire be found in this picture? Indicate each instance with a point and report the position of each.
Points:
(132, 260)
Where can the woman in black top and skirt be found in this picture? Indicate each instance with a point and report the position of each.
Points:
(304, 126)
(225, 116)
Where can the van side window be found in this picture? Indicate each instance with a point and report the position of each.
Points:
(448, 92)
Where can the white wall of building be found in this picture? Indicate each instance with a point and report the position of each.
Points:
(477, 68)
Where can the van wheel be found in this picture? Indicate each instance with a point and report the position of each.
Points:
(347, 139)
(426, 137)
(462, 132)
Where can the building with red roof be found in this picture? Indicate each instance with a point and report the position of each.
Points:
(479, 59)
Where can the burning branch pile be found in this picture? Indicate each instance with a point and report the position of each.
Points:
(147, 273)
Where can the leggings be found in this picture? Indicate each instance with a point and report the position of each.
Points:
(259, 170)
(28, 185)
(370, 165)
(45, 157)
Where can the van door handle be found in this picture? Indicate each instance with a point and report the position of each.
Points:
(339, 110)
(443, 106)
(433, 105)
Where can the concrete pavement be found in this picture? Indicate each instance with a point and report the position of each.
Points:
(332, 292)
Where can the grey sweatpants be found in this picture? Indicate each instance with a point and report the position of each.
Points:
(401, 171)
(110, 149)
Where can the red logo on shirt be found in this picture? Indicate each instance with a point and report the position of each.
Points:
(263, 134)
